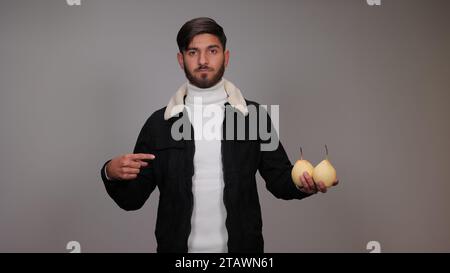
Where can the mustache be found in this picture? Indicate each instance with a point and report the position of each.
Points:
(203, 67)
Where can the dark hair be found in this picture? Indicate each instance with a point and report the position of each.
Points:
(199, 26)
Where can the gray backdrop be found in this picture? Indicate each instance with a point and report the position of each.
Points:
(372, 82)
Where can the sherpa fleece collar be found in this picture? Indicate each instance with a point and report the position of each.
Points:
(234, 97)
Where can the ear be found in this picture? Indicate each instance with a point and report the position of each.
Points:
(180, 60)
(227, 57)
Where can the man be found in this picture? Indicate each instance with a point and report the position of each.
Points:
(208, 194)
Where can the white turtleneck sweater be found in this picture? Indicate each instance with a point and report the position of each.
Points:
(206, 112)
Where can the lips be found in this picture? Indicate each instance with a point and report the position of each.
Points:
(207, 69)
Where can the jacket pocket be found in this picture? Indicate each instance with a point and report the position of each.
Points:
(161, 144)
(168, 159)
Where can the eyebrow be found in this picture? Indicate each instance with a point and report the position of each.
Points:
(196, 48)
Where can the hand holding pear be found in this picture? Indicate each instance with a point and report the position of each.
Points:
(310, 179)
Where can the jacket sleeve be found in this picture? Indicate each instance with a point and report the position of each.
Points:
(275, 168)
(132, 194)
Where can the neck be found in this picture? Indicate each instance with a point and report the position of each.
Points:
(210, 95)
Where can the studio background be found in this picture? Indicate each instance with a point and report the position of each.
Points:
(372, 82)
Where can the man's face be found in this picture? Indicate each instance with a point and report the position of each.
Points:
(204, 60)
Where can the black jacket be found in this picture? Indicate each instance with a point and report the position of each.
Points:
(172, 170)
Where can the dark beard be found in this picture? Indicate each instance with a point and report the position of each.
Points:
(205, 83)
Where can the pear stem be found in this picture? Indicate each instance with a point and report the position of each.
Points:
(301, 153)
(326, 150)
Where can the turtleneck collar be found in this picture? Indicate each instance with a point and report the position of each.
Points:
(234, 97)
(211, 95)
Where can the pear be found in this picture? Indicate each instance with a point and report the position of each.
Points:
(299, 168)
(325, 172)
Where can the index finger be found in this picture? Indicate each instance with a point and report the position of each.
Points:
(142, 156)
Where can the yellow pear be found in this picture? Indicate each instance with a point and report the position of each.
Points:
(299, 168)
(325, 172)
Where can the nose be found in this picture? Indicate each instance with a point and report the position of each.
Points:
(202, 59)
